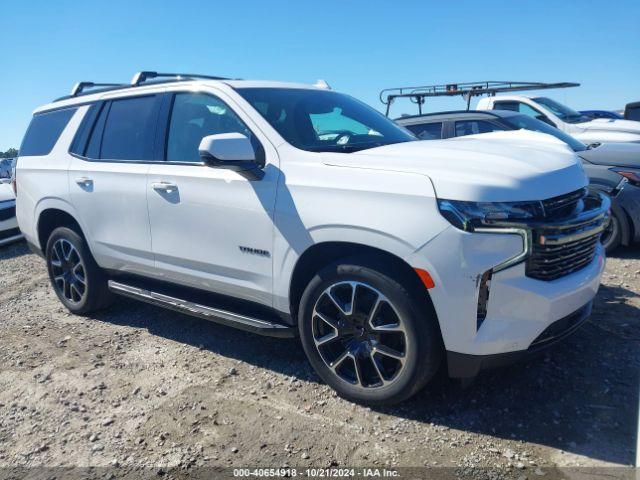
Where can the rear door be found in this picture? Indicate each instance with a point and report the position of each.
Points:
(108, 179)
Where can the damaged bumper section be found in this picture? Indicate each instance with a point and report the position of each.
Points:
(517, 288)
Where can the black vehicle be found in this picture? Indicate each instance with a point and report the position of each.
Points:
(601, 114)
(613, 168)
(632, 111)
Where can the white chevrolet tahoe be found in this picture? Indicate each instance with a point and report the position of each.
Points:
(582, 127)
(289, 209)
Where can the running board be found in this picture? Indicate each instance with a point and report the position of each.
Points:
(224, 317)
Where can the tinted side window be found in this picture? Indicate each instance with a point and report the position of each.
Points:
(193, 117)
(473, 127)
(512, 106)
(44, 131)
(518, 107)
(129, 129)
(427, 131)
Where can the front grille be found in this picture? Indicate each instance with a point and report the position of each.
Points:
(568, 238)
(549, 262)
(564, 205)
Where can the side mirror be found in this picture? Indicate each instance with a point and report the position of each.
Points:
(225, 149)
(232, 151)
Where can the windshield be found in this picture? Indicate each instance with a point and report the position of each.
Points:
(324, 121)
(563, 112)
(528, 123)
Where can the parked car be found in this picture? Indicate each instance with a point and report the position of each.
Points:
(609, 165)
(632, 111)
(7, 166)
(601, 114)
(9, 231)
(289, 209)
(580, 126)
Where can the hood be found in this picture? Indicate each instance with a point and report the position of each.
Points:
(6, 192)
(611, 124)
(614, 154)
(509, 167)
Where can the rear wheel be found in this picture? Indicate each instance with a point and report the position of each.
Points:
(76, 278)
(366, 335)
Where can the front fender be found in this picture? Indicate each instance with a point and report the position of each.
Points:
(392, 211)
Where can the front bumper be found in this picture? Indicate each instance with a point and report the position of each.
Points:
(463, 365)
(524, 300)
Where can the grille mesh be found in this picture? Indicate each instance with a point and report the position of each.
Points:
(571, 248)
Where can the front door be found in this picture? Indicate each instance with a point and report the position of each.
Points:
(211, 228)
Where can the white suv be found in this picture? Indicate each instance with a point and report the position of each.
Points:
(290, 209)
(582, 127)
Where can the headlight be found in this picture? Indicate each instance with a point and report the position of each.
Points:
(471, 215)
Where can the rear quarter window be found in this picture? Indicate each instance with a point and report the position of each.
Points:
(44, 131)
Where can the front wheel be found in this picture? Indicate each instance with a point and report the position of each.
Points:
(78, 281)
(366, 335)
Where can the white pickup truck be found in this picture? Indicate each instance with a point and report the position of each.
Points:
(293, 210)
(580, 126)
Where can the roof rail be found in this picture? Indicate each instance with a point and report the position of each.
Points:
(80, 87)
(466, 90)
(142, 77)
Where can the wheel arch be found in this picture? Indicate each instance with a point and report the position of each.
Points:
(320, 254)
(51, 218)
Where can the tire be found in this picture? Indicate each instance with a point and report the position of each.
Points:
(398, 349)
(78, 281)
(612, 236)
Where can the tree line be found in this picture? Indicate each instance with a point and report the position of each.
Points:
(11, 153)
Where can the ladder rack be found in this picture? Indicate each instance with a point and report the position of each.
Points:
(466, 90)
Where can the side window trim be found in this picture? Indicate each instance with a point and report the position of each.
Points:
(81, 138)
(106, 107)
(162, 127)
(448, 130)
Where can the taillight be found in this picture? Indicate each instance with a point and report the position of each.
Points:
(14, 184)
(633, 177)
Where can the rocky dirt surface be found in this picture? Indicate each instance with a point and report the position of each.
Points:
(139, 389)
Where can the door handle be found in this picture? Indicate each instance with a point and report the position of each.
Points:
(84, 181)
(167, 187)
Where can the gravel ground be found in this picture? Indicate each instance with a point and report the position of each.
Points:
(144, 389)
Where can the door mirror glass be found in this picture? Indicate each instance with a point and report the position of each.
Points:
(216, 150)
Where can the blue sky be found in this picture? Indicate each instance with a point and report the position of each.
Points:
(358, 47)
